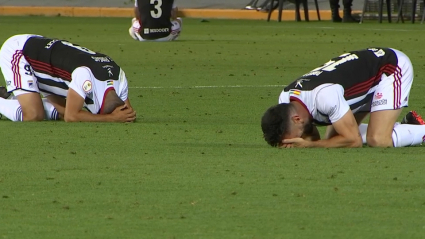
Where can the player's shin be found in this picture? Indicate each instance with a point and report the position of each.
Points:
(408, 135)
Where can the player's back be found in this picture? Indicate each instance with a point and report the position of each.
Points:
(155, 18)
(58, 58)
(356, 71)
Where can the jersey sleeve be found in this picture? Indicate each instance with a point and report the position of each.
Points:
(330, 101)
(284, 97)
(82, 81)
(123, 93)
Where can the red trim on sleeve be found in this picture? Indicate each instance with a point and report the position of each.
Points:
(104, 97)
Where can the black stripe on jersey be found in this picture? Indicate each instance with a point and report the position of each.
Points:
(366, 100)
(52, 83)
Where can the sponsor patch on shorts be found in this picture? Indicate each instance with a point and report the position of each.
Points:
(379, 102)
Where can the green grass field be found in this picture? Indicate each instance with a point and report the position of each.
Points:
(194, 165)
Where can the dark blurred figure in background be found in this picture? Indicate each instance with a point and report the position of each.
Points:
(347, 17)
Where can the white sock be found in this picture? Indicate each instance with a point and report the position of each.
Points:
(363, 132)
(50, 111)
(11, 109)
(408, 135)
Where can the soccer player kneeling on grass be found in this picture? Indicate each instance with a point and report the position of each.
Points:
(340, 94)
(68, 76)
(155, 20)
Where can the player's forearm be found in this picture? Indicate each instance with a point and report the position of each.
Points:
(338, 142)
(84, 116)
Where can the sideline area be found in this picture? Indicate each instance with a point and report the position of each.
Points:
(287, 15)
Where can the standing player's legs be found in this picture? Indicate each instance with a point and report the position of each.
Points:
(390, 96)
(20, 80)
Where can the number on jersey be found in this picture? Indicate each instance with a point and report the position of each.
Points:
(157, 13)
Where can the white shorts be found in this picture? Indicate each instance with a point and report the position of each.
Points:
(17, 72)
(393, 91)
(175, 31)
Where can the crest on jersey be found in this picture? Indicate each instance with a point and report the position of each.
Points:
(87, 86)
(378, 96)
(300, 81)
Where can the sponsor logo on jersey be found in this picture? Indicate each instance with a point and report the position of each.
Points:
(101, 59)
(155, 30)
(379, 102)
(378, 96)
(87, 86)
(109, 83)
(294, 92)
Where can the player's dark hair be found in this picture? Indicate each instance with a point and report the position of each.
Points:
(275, 123)
(112, 101)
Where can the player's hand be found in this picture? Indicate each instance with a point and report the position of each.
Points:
(295, 143)
(286, 145)
(123, 114)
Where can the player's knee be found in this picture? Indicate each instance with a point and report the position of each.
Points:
(379, 141)
(32, 115)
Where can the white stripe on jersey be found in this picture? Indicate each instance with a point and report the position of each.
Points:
(52, 89)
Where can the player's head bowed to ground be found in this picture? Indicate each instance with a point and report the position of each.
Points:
(155, 21)
(67, 76)
(340, 94)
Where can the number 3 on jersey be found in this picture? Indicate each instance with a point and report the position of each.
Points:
(158, 11)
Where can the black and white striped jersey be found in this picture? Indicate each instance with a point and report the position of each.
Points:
(59, 65)
(343, 83)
